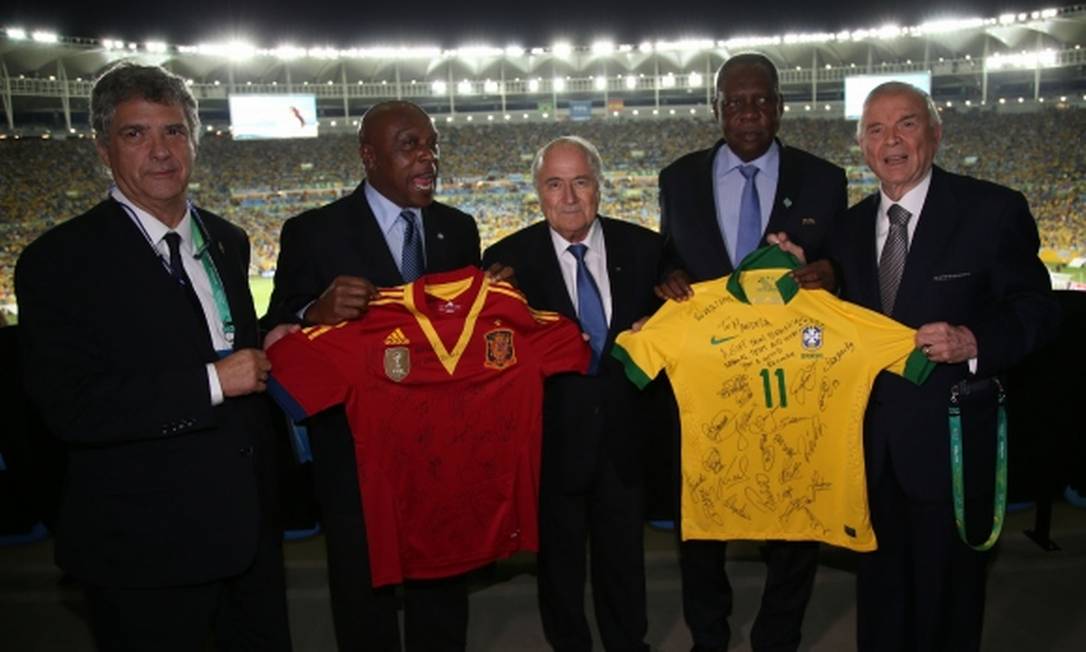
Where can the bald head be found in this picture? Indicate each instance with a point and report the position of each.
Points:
(398, 145)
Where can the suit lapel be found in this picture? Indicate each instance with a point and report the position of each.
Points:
(437, 249)
(618, 267)
(366, 242)
(165, 301)
(552, 284)
(867, 281)
(704, 203)
(787, 187)
(934, 231)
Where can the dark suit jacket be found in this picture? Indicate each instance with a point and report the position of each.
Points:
(972, 261)
(588, 416)
(343, 238)
(811, 193)
(162, 488)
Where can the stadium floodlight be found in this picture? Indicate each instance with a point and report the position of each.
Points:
(645, 47)
(508, 117)
(448, 118)
(969, 102)
(16, 33)
(625, 48)
(828, 66)
(471, 118)
(671, 111)
(533, 85)
(324, 53)
(1041, 59)
(155, 47)
(545, 115)
(806, 107)
(656, 111)
(1006, 19)
(562, 49)
(631, 82)
(947, 25)
(603, 48)
(1063, 98)
(525, 116)
(288, 52)
(668, 81)
(693, 111)
(477, 52)
(744, 42)
(1049, 13)
(539, 50)
(490, 87)
(787, 108)
(236, 50)
(558, 84)
(439, 87)
(333, 123)
(601, 83)
(514, 51)
(41, 36)
(636, 112)
(694, 80)
(685, 45)
(794, 39)
(465, 88)
(329, 82)
(1021, 100)
(490, 118)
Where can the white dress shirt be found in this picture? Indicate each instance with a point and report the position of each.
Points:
(728, 183)
(595, 259)
(201, 284)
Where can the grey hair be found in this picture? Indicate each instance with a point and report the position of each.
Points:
(591, 153)
(128, 80)
(895, 88)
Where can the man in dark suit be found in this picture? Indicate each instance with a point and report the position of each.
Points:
(717, 205)
(602, 272)
(955, 258)
(141, 350)
(331, 259)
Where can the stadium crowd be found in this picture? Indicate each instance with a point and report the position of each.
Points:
(259, 184)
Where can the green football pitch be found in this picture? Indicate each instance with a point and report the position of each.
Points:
(261, 288)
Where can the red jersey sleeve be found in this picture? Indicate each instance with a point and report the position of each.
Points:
(304, 380)
(559, 343)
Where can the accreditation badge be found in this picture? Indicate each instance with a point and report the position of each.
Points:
(397, 362)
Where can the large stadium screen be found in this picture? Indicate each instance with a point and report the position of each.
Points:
(273, 116)
(857, 87)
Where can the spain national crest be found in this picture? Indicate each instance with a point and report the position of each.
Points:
(397, 362)
(499, 349)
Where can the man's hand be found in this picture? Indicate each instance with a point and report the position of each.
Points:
(346, 298)
(942, 342)
(818, 275)
(675, 287)
(501, 273)
(243, 372)
(278, 333)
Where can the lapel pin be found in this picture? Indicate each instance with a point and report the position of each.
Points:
(221, 250)
(787, 202)
(808, 221)
(440, 235)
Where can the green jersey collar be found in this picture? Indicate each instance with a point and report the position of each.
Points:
(770, 257)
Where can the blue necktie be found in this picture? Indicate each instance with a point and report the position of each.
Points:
(589, 307)
(750, 216)
(411, 263)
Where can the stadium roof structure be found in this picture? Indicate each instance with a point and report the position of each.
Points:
(47, 78)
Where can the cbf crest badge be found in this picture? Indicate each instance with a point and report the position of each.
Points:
(812, 338)
(397, 362)
(500, 353)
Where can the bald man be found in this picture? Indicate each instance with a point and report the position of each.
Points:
(331, 259)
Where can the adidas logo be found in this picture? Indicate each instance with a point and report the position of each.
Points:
(396, 337)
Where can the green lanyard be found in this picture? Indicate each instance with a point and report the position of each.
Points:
(1000, 502)
(217, 291)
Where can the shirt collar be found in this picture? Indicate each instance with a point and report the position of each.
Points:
(768, 164)
(384, 209)
(594, 239)
(153, 227)
(912, 201)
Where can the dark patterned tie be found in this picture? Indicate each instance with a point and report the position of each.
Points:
(589, 307)
(894, 250)
(177, 272)
(411, 263)
(750, 215)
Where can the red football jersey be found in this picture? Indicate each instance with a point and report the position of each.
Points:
(443, 385)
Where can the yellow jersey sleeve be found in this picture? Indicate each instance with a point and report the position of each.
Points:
(653, 348)
(889, 344)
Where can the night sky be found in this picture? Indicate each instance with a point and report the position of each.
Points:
(528, 23)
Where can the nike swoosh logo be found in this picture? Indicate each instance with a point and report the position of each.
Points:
(714, 340)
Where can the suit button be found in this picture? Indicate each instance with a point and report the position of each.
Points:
(246, 452)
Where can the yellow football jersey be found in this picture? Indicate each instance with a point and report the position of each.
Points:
(772, 382)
